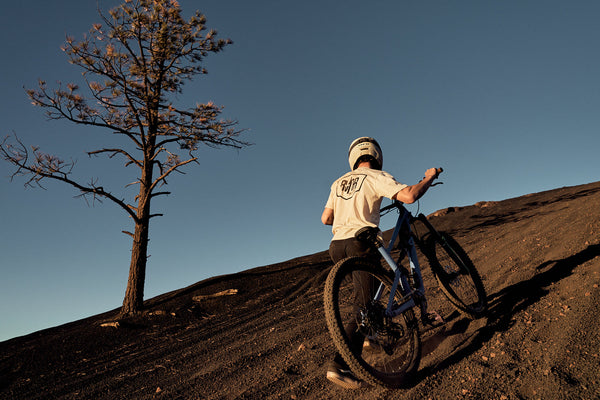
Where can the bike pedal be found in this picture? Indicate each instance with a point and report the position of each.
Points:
(433, 319)
(372, 345)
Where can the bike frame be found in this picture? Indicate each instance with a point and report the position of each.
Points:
(412, 296)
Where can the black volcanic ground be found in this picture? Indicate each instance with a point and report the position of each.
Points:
(539, 256)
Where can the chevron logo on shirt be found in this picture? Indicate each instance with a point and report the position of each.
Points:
(349, 185)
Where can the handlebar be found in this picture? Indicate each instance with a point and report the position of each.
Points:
(395, 204)
(438, 171)
(398, 204)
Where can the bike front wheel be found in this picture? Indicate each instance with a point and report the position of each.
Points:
(456, 275)
(379, 349)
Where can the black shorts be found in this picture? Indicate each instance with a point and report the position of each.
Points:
(340, 249)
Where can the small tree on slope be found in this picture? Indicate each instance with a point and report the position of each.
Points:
(142, 54)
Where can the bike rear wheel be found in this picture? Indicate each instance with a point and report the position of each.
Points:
(380, 350)
(456, 275)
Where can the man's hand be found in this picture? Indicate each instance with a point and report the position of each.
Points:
(433, 172)
(410, 194)
(327, 216)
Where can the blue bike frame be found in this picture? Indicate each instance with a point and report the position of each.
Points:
(411, 296)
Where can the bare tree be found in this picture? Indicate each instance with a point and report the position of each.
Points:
(133, 65)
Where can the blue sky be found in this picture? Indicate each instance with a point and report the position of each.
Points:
(503, 94)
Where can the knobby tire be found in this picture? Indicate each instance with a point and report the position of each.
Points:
(384, 351)
(457, 276)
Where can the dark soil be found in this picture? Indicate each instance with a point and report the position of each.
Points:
(539, 257)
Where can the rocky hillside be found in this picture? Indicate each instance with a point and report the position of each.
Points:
(261, 334)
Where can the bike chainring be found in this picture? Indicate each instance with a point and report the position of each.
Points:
(375, 325)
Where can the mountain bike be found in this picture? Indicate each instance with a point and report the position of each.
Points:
(383, 346)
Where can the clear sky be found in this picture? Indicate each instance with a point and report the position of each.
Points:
(504, 95)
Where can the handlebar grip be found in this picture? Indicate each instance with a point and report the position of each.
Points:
(438, 171)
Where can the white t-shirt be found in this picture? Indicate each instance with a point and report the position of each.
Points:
(356, 199)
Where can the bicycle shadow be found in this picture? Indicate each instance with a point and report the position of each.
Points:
(461, 337)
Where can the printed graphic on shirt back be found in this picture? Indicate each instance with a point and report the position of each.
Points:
(349, 185)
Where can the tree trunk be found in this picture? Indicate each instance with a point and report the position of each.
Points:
(134, 295)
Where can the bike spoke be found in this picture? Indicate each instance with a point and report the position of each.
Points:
(385, 349)
(457, 277)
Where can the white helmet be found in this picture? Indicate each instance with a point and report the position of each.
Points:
(365, 146)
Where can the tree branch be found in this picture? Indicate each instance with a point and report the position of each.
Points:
(115, 152)
(47, 166)
(160, 194)
(169, 171)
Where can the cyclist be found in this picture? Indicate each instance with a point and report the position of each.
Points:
(354, 202)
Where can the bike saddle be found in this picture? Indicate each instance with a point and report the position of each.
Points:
(369, 235)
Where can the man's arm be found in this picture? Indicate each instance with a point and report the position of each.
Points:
(327, 216)
(410, 194)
